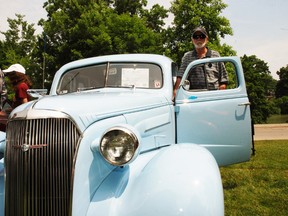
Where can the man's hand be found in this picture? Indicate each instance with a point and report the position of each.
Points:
(222, 87)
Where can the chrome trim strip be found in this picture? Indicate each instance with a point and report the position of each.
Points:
(25, 147)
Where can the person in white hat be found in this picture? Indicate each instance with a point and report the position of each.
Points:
(15, 68)
(21, 83)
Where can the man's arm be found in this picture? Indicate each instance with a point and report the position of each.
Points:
(176, 86)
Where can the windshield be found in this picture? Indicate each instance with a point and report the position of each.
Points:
(116, 75)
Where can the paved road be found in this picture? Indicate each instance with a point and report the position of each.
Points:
(271, 132)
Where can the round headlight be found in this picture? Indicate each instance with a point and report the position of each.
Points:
(119, 146)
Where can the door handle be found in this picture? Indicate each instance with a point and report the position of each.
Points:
(244, 104)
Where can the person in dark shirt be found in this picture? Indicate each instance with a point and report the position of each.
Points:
(212, 76)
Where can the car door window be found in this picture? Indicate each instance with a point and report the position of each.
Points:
(209, 76)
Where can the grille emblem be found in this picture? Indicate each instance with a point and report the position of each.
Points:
(25, 147)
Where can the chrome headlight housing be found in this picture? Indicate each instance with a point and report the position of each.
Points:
(119, 146)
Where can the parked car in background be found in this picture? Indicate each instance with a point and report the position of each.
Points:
(110, 139)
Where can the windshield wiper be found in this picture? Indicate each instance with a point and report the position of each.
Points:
(88, 88)
(121, 86)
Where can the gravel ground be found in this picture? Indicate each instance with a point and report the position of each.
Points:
(271, 132)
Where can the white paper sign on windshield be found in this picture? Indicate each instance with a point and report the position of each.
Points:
(138, 77)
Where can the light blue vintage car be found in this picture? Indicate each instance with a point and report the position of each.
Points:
(111, 140)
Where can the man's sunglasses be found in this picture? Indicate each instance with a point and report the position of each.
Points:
(201, 36)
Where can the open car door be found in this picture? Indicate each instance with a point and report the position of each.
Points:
(216, 119)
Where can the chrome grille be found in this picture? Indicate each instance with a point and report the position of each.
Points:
(39, 164)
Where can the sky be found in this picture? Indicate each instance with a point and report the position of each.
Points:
(260, 27)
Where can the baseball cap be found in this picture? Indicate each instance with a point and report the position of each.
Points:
(200, 29)
(15, 67)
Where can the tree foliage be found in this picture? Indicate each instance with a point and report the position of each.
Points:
(282, 85)
(259, 84)
(189, 14)
(19, 42)
(20, 46)
(155, 18)
(281, 92)
(76, 29)
(132, 7)
(80, 29)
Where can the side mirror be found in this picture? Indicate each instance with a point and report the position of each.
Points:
(37, 93)
(186, 85)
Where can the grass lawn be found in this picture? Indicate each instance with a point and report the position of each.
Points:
(260, 186)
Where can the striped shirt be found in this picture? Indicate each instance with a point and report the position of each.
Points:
(208, 76)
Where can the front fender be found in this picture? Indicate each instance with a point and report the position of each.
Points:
(182, 179)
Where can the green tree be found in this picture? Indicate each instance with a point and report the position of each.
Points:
(2, 54)
(282, 84)
(281, 91)
(74, 30)
(130, 35)
(19, 42)
(19, 46)
(259, 84)
(133, 7)
(78, 29)
(189, 14)
(155, 17)
(282, 103)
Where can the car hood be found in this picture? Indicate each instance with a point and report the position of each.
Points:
(87, 107)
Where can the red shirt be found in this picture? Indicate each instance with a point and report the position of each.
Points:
(21, 93)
